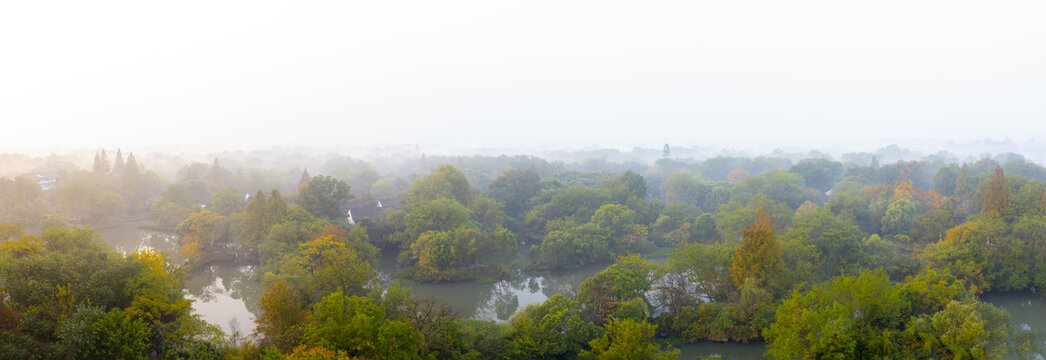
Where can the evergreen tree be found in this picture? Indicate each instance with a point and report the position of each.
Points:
(1042, 202)
(965, 183)
(998, 195)
(304, 181)
(214, 176)
(275, 209)
(101, 163)
(252, 225)
(118, 165)
(129, 181)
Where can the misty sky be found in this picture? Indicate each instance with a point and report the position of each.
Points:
(518, 73)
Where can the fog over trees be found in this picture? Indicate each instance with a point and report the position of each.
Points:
(780, 247)
(522, 180)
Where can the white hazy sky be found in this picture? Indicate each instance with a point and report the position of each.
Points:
(518, 73)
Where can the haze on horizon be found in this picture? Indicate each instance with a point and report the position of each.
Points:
(519, 74)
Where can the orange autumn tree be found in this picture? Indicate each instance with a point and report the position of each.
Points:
(998, 195)
(759, 256)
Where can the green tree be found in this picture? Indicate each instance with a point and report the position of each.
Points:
(303, 181)
(282, 320)
(883, 254)
(703, 228)
(323, 197)
(446, 182)
(324, 265)
(683, 187)
(899, 217)
(931, 225)
(625, 186)
(849, 317)
(199, 233)
(157, 297)
(225, 202)
(945, 179)
(118, 164)
(966, 252)
(707, 267)
(92, 333)
(855, 208)
(101, 163)
(582, 245)
(275, 209)
(284, 237)
(173, 206)
(780, 186)
(616, 220)
(253, 225)
(962, 330)
(52, 220)
(836, 240)
(131, 181)
(214, 175)
(437, 215)
(820, 174)
(733, 217)
(514, 188)
(628, 339)
(602, 295)
(555, 328)
(360, 328)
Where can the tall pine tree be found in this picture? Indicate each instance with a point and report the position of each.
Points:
(275, 209)
(129, 181)
(214, 176)
(253, 224)
(303, 182)
(998, 195)
(118, 164)
(101, 163)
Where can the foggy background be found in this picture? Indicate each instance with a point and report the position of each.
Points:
(750, 76)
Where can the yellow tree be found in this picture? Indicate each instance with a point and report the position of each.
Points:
(759, 256)
(199, 232)
(282, 320)
(998, 194)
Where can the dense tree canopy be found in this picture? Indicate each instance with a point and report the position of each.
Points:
(323, 197)
(844, 259)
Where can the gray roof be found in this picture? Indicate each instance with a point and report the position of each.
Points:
(359, 211)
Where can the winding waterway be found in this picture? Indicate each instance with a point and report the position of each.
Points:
(227, 296)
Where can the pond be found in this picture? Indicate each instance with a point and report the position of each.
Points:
(497, 301)
(227, 296)
(1027, 313)
(222, 295)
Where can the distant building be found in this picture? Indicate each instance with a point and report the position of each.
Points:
(47, 180)
(356, 211)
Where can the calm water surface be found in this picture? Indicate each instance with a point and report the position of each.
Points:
(227, 296)
(222, 295)
(1027, 313)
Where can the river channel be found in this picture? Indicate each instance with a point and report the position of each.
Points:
(227, 296)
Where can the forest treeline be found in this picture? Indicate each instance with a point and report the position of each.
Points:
(819, 258)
